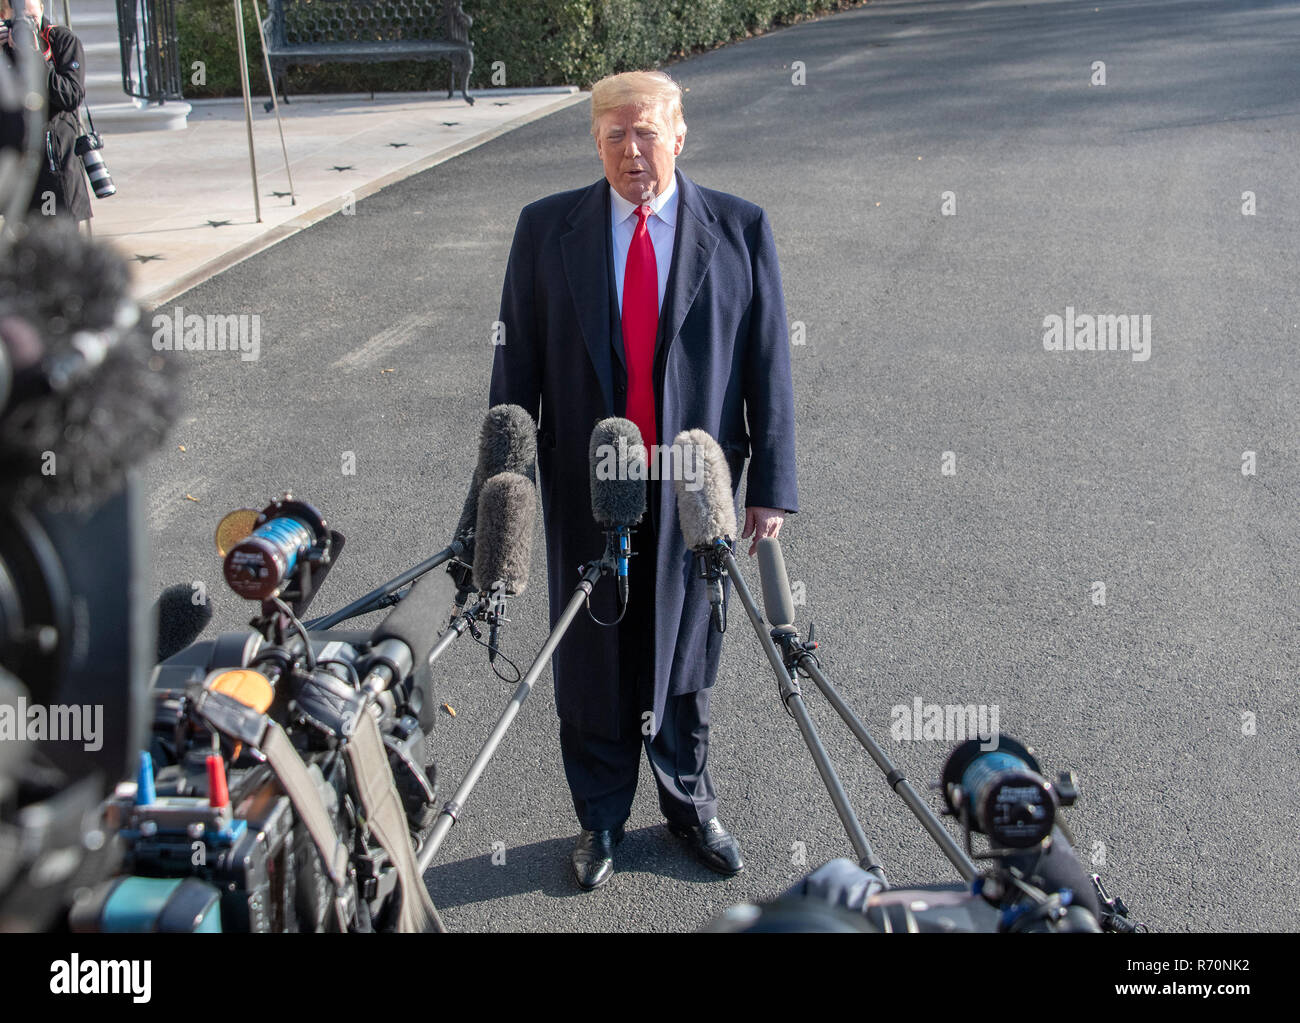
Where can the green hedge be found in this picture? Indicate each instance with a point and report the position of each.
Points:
(541, 42)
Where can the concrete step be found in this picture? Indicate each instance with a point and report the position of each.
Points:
(105, 97)
(83, 11)
(96, 38)
(96, 30)
(95, 48)
(105, 87)
(83, 20)
(95, 23)
(115, 118)
(85, 23)
(102, 50)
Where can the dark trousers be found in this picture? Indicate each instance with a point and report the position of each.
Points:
(602, 772)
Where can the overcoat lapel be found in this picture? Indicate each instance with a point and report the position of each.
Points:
(692, 252)
(584, 250)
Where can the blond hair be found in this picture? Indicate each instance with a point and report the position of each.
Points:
(652, 91)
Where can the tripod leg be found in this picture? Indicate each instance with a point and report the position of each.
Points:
(270, 82)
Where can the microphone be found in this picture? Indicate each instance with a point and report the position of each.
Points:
(778, 603)
(507, 509)
(180, 620)
(618, 464)
(708, 511)
(406, 635)
(706, 508)
(507, 443)
(85, 385)
(507, 505)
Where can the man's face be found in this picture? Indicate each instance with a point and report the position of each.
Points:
(31, 8)
(638, 150)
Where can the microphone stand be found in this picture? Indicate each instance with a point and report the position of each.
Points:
(724, 561)
(795, 654)
(452, 810)
(382, 596)
(799, 655)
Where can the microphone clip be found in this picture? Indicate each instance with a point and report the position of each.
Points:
(795, 651)
(618, 552)
(495, 616)
(709, 567)
(618, 546)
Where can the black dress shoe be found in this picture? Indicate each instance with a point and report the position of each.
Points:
(712, 845)
(593, 856)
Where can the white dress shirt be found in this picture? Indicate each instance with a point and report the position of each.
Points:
(662, 224)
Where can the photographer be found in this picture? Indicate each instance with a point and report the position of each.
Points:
(61, 187)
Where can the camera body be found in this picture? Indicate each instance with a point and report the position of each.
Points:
(212, 809)
(88, 147)
(251, 850)
(75, 636)
(1033, 881)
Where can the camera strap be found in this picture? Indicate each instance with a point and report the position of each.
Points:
(298, 785)
(238, 721)
(386, 818)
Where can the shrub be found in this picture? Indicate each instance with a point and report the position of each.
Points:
(539, 42)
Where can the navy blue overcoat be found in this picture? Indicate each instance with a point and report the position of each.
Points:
(722, 365)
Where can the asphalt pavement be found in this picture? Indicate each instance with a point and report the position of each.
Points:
(964, 489)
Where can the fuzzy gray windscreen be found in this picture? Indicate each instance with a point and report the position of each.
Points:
(503, 543)
(58, 288)
(705, 505)
(507, 443)
(617, 460)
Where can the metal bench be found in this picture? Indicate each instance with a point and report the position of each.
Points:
(329, 31)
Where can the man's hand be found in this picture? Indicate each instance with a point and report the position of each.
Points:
(762, 522)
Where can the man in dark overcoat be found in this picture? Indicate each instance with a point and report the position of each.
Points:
(649, 297)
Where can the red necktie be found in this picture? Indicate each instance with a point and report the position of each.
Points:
(640, 326)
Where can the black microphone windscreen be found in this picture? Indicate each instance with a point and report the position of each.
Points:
(706, 507)
(503, 542)
(93, 397)
(421, 617)
(777, 601)
(180, 620)
(617, 460)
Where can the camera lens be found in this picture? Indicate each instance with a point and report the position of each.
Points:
(100, 180)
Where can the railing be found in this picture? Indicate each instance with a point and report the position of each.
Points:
(151, 65)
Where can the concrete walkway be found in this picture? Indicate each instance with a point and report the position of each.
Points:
(184, 205)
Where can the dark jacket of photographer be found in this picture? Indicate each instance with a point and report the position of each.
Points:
(62, 178)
